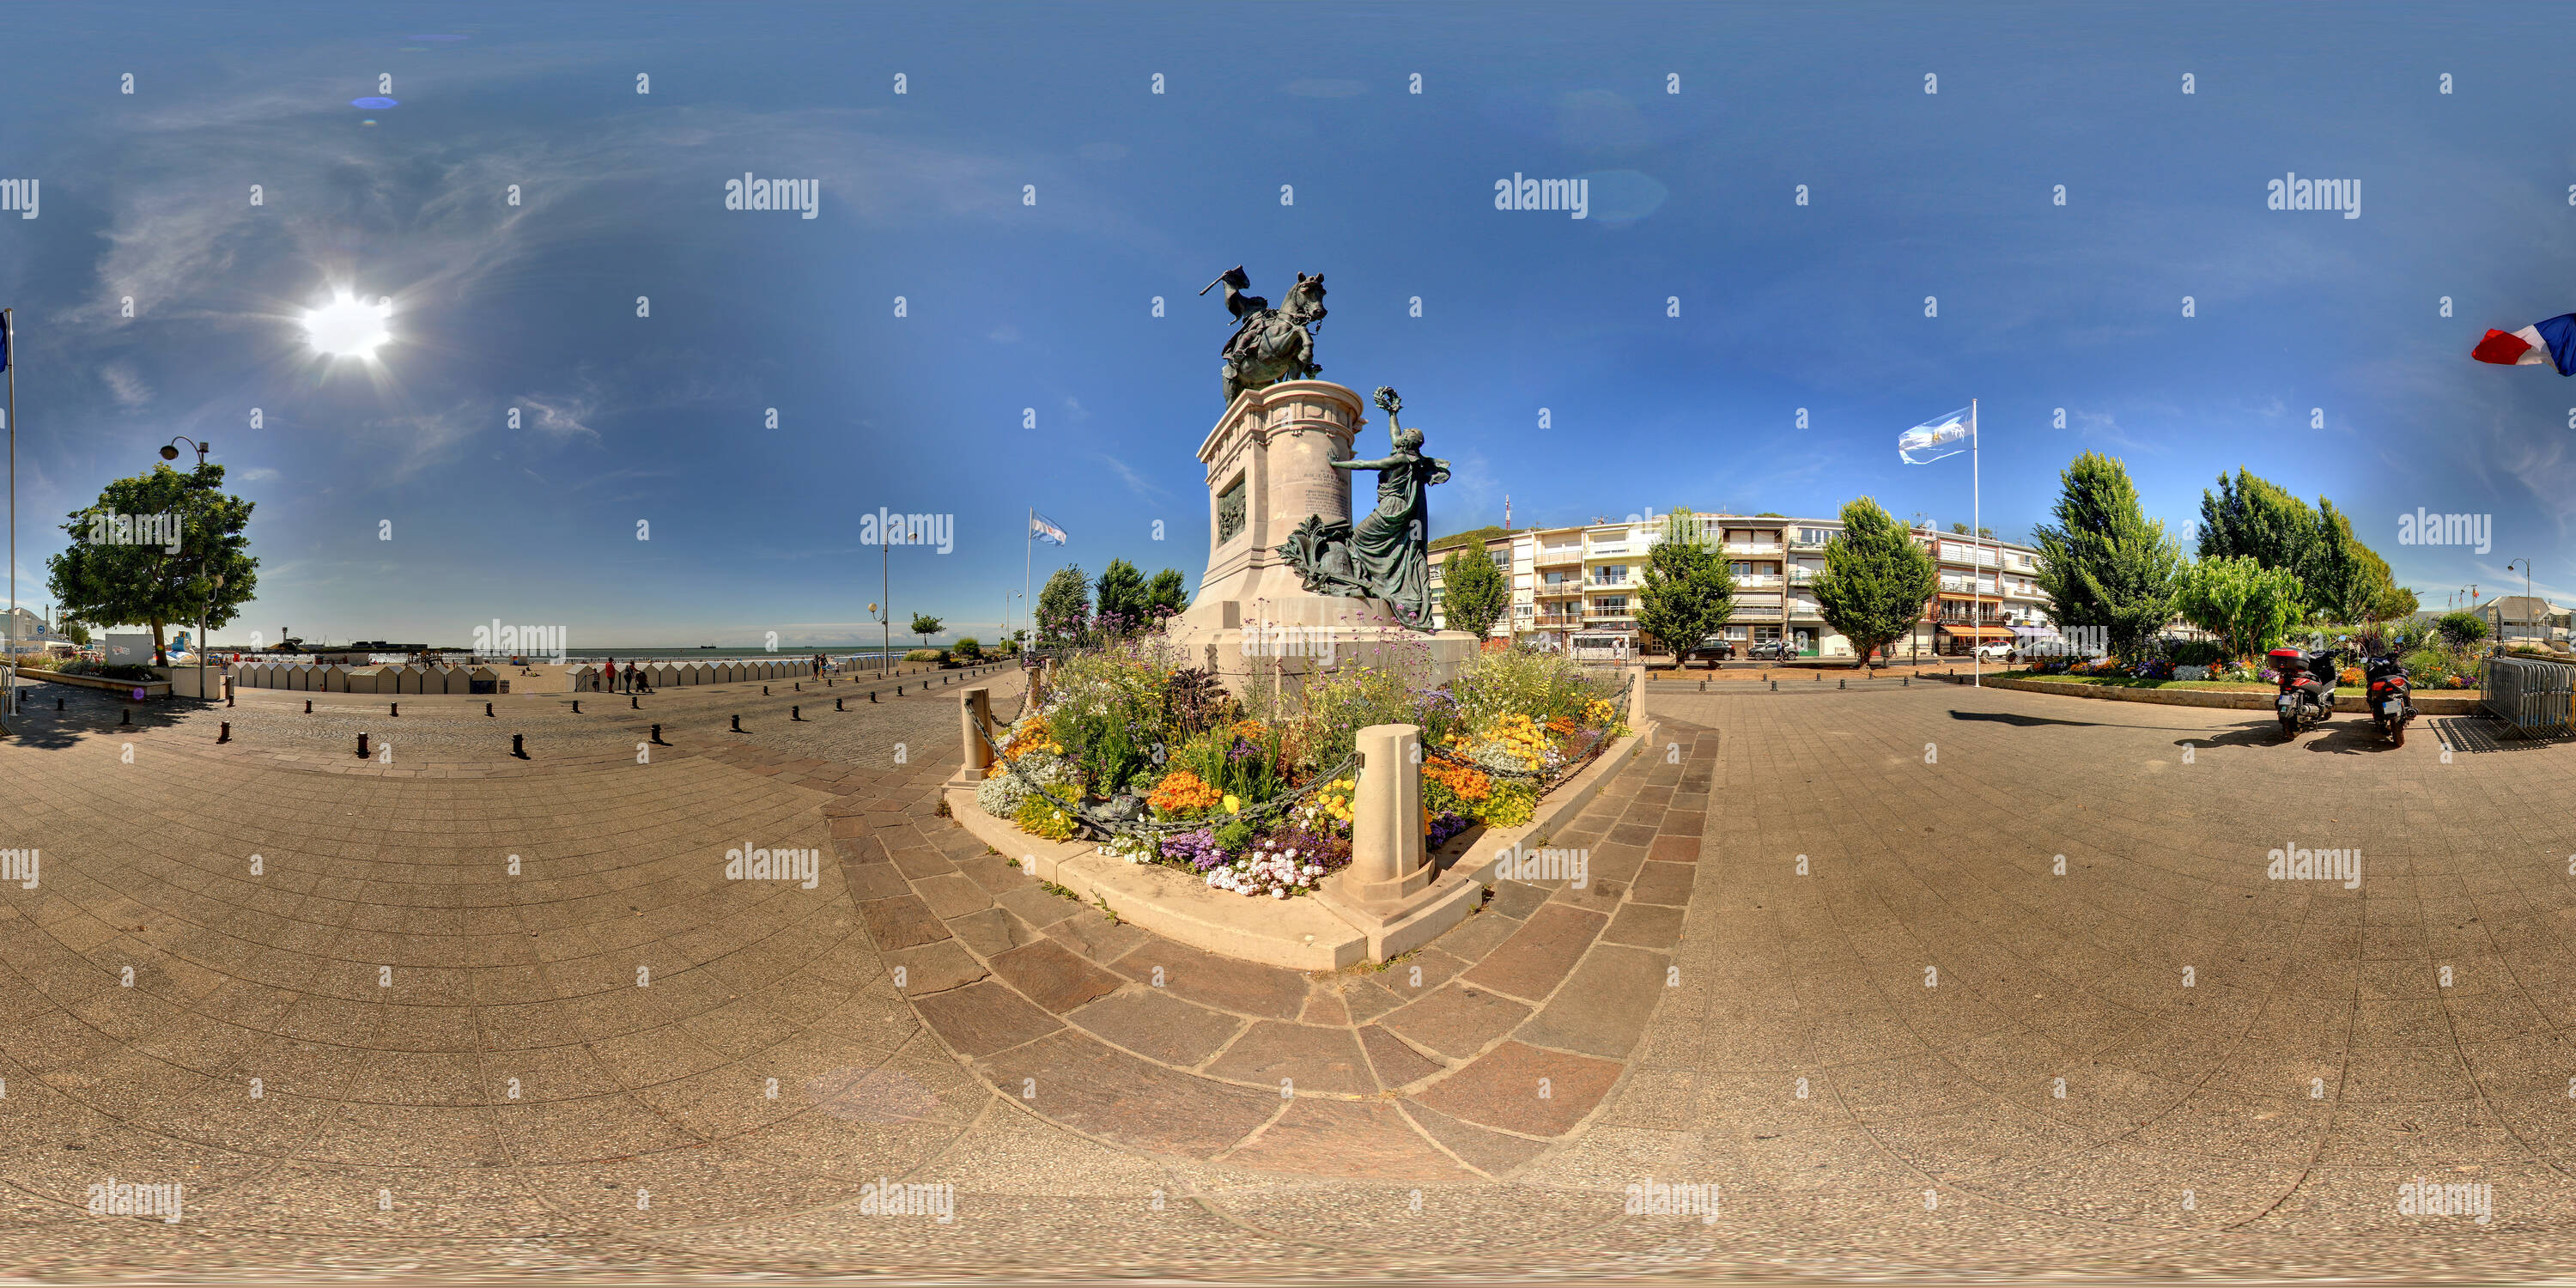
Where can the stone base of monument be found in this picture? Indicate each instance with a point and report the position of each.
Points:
(1269, 469)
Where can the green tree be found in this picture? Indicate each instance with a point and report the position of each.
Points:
(1063, 604)
(2343, 580)
(1124, 605)
(2346, 579)
(2250, 607)
(77, 633)
(1876, 579)
(969, 648)
(2461, 629)
(2105, 563)
(106, 582)
(1473, 593)
(2257, 519)
(925, 626)
(2394, 603)
(1167, 593)
(1689, 591)
(1983, 534)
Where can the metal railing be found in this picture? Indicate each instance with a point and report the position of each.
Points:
(2536, 698)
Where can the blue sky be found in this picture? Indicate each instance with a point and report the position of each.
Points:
(1045, 309)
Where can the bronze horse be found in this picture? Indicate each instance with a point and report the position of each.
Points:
(1269, 345)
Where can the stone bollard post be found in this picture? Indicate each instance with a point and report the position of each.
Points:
(975, 720)
(1386, 818)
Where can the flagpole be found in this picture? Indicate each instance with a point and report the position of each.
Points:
(1976, 593)
(8, 350)
(1028, 559)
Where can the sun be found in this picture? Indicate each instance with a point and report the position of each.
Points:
(348, 327)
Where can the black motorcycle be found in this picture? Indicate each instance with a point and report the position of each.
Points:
(2307, 688)
(2391, 697)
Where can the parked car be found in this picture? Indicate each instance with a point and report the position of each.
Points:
(1712, 651)
(1772, 651)
(1996, 652)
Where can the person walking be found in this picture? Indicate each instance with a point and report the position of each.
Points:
(612, 675)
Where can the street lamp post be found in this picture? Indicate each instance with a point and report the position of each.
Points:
(2526, 588)
(202, 607)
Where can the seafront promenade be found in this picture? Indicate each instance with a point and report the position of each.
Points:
(463, 1011)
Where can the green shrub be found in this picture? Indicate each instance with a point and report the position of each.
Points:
(969, 649)
(2195, 653)
(924, 655)
(2462, 627)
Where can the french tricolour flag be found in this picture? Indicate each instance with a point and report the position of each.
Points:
(2552, 343)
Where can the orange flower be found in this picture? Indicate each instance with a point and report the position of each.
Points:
(1469, 783)
(1182, 792)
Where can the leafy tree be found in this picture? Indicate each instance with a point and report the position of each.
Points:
(106, 582)
(2250, 607)
(1983, 534)
(2345, 578)
(2394, 603)
(1473, 594)
(2342, 579)
(1167, 593)
(1689, 591)
(2461, 629)
(969, 648)
(1124, 602)
(76, 632)
(2257, 519)
(2105, 563)
(925, 626)
(1876, 579)
(1063, 603)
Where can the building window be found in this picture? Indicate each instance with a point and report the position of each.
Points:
(1611, 604)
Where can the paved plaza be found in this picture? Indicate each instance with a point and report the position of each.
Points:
(1825, 959)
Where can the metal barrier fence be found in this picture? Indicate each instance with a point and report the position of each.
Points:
(2536, 698)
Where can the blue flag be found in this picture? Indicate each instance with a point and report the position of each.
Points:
(1044, 529)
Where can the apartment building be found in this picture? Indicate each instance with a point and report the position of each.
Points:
(1579, 585)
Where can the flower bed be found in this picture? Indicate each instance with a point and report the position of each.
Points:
(1255, 797)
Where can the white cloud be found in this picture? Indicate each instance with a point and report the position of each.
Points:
(255, 474)
(560, 417)
(1129, 475)
(126, 384)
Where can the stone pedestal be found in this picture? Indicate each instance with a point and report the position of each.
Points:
(975, 722)
(1390, 893)
(1269, 466)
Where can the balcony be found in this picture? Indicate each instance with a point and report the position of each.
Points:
(1565, 587)
(1603, 548)
(1756, 613)
(1802, 576)
(1758, 581)
(1560, 555)
(1753, 547)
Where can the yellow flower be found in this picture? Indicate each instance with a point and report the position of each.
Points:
(1232, 804)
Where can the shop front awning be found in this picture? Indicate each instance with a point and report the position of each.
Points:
(1979, 632)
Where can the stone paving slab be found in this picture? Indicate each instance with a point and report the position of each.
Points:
(2316, 1063)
